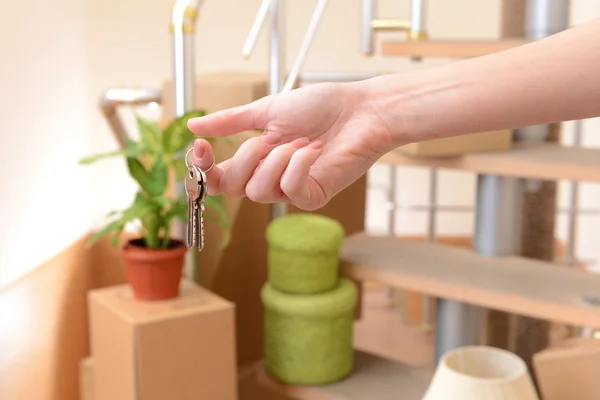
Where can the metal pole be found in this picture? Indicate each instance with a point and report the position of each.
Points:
(418, 14)
(391, 209)
(183, 28)
(277, 69)
(498, 212)
(499, 203)
(367, 11)
(571, 253)
(546, 17)
(115, 97)
(313, 24)
(426, 323)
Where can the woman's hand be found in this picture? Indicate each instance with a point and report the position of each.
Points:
(318, 140)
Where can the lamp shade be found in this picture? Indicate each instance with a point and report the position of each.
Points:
(481, 373)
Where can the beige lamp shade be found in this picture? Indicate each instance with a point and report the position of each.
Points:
(481, 373)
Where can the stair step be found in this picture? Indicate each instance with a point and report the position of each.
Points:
(512, 284)
(373, 378)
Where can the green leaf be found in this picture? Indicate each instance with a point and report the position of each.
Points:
(108, 228)
(154, 182)
(180, 169)
(158, 177)
(226, 229)
(217, 204)
(114, 240)
(129, 152)
(178, 210)
(139, 173)
(140, 207)
(162, 201)
(150, 134)
(152, 223)
(177, 136)
(142, 201)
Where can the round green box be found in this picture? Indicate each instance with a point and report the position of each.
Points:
(308, 338)
(303, 255)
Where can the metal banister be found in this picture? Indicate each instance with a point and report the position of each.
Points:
(113, 98)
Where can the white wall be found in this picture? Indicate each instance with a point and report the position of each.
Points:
(44, 128)
(59, 56)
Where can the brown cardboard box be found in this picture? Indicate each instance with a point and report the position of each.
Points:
(180, 349)
(463, 144)
(86, 379)
(569, 370)
(220, 90)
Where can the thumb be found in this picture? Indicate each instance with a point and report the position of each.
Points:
(233, 120)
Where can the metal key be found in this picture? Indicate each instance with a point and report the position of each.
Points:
(195, 186)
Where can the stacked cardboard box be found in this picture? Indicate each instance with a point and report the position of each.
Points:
(180, 349)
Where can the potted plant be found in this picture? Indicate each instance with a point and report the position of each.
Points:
(154, 260)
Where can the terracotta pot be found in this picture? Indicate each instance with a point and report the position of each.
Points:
(154, 274)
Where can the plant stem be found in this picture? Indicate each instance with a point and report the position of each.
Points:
(166, 239)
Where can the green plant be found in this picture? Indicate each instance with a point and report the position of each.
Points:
(157, 156)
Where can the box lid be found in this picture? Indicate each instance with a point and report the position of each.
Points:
(192, 300)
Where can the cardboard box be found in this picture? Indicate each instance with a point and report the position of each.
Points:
(180, 349)
(86, 379)
(460, 145)
(220, 90)
(569, 370)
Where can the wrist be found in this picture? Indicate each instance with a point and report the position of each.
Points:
(388, 102)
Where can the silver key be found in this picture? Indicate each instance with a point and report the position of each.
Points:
(195, 186)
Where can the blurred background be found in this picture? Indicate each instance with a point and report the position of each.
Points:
(58, 57)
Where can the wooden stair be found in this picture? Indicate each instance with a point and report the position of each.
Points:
(373, 378)
(512, 284)
(538, 161)
(446, 48)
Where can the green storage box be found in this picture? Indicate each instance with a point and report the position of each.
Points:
(303, 254)
(308, 338)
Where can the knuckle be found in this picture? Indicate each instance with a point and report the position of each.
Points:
(256, 193)
(290, 190)
(228, 188)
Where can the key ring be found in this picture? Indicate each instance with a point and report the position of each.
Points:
(187, 164)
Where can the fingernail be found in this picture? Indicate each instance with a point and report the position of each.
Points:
(271, 138)
(300, 143)
(198, 149)
(318, 145)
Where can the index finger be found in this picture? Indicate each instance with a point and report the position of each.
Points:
(233, 120)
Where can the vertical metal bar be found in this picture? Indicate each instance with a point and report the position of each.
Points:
(498, 211)
(431, 238)
(183, 27)
(433, 199)
(277, 69)
(368, 10)
(263, 11)
(499, 202)
(277, 46)
(391, 210)
(292, 78)
(546, 17)
(571, 251)
(418, 13)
